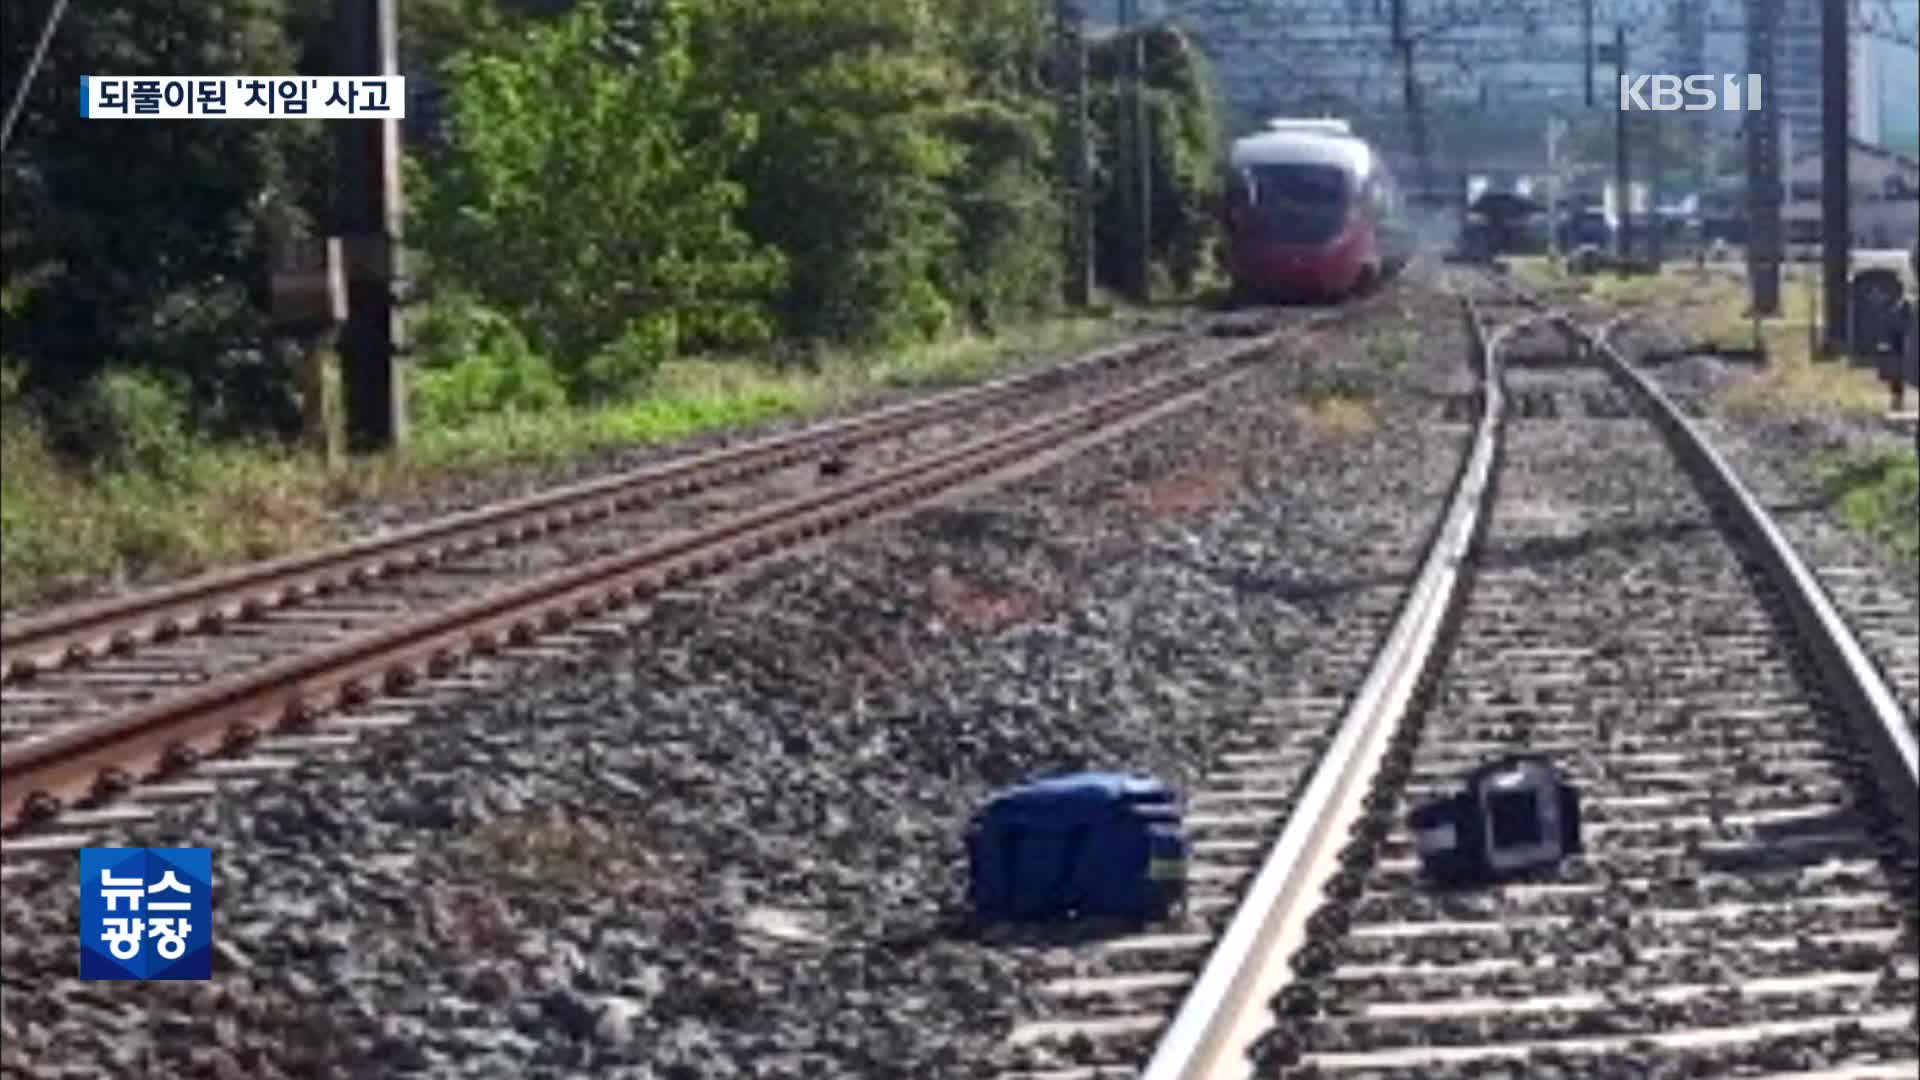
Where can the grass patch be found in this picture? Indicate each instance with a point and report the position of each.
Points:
(1343, 417)
(574, 854)
(1874, 495)
(66, 530)
(1394, 349)
(1638, 290)
(1880, 496)
(1793, 381)
(1708, 307)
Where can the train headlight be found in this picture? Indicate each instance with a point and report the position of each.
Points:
(1511, 816)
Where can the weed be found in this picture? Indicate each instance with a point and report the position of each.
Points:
(570, 853)
(1343, 417)
(162, 501)
(1394, 349)
(1879, 495)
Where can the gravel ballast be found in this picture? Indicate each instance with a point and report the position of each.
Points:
(1779, 455)
(1733, 872)
(731, 846)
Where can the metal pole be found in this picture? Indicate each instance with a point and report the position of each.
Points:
(1410, 96)
(19, 99)
(1763, 161)
(1553, 187)
(1071, 51)
(1623, 201)
(1835, 228)
(369, 215)
(1586, 16)
(1142, 157)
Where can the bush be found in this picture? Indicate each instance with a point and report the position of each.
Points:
(1184, 148)
(571, 153)
(614, 184)
(131, 243)
(127, 421)
(474, 361)
(1005, 262)
(633, 358)
(845, 179)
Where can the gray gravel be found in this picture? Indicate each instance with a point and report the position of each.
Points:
(1780, 457)
(731, 846)
(1611, 626)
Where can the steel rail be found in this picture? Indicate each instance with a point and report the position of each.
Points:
(1846, 670)
(1226, 1009)
(101, 759)
(72, 634)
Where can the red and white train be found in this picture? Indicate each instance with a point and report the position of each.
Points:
(1312, 213)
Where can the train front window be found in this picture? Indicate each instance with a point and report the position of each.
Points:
(1298, 204)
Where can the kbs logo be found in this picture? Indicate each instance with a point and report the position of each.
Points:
(1695, 93)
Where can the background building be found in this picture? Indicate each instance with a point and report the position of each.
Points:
(1491, 72)
(1797, 75)
(1897, 67)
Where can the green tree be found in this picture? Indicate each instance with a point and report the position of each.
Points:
(143, 242)
(574, 201)
(847, 176)
(1005, 260)
(1184, 145)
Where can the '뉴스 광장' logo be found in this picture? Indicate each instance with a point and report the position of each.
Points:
(146, 913)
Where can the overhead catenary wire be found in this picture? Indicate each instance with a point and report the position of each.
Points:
(33, 68)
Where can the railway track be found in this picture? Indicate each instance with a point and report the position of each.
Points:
(92, 658)
(1883, 616)
(1746, 903)
(1112, 995)
(257, 714)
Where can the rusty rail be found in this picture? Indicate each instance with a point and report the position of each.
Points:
(72, 635)
(98, 761)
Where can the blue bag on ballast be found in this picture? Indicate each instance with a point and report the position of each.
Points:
(1083, 844)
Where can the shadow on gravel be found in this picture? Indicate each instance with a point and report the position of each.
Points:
(1544, 360)
(1800, 842)
(1055, 935)
(1726, 354)
(1311, 594)
(961, 928)
(1448, 887)
(1554, 549)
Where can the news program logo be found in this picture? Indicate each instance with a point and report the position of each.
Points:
(1694, 93)
(146, 913)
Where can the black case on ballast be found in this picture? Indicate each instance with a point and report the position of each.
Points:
(1511, 816)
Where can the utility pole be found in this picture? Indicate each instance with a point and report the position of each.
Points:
(1139, 156)
(1555, 129)
(1077, 232)
(1586, 16)
(1763, 162)
(1835, 226)
(1143, 154)
(1622, 174)
(1410, 96)
(369, 214)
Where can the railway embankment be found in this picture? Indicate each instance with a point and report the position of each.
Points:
(728, 844)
